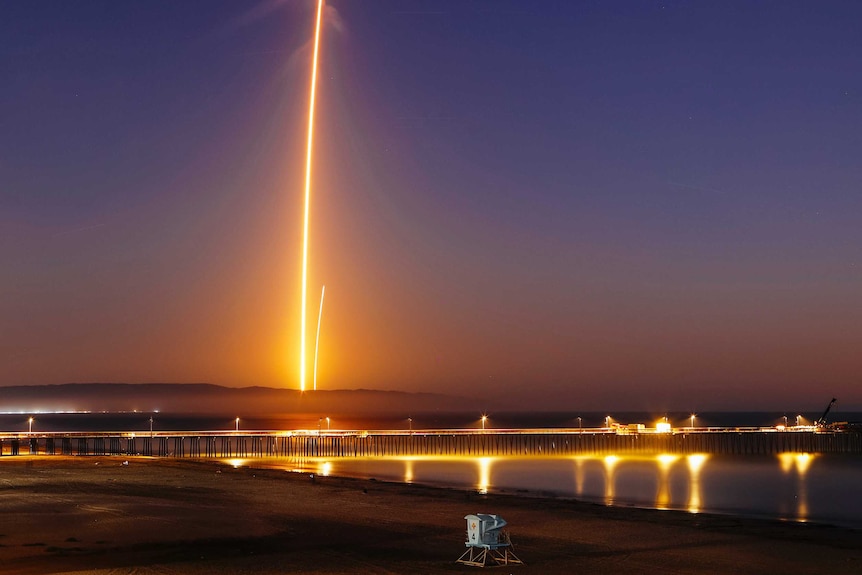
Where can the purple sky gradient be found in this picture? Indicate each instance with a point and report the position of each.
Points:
(589, 205)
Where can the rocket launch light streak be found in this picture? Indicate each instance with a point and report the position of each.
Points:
(317, 339)
(302, 352)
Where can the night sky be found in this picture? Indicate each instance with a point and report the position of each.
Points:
(581, 205)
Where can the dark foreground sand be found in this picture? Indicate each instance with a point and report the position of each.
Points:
(94, 515)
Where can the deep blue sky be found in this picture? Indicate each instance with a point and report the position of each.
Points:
(645, 205)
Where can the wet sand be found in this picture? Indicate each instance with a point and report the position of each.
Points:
(95, 515)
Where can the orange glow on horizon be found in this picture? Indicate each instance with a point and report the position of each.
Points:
(304, 314)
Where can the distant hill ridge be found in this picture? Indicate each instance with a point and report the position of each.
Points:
(210, 398)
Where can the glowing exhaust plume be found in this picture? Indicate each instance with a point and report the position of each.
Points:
(308, 198)
(317, 339)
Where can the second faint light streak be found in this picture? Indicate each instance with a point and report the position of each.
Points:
(317, 339)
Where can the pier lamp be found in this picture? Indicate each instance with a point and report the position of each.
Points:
(30, 421)
(607, 421)
(151, 426)
(328, 426)
(579, 423)
(410, 423)
(663, 426)
(692, 420)
(785, 421)
(237, 424)
(798, 420)
(484, 419)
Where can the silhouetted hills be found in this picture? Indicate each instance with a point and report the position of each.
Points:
(206, 398)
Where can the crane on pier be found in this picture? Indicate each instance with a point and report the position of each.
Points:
(821, 422)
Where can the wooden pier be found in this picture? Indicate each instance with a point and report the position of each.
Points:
(467, 443)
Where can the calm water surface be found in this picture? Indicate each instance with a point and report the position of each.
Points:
(796, 487)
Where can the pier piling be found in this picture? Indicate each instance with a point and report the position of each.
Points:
(437, 443)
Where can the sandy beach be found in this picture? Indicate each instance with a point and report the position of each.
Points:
(95, 515)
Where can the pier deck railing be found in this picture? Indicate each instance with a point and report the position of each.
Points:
(443, 442)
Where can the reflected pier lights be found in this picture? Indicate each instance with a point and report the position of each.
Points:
(304, 311)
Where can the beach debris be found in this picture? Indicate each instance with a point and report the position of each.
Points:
(487, 544)
(125, 463)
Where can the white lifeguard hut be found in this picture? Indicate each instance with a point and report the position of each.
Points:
(487, 543)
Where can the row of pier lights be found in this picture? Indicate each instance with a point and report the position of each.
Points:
(661, 426)
(664, 426)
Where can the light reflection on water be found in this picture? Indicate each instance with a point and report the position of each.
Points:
(800, 462)
(484, 474)
(408, 471)
(610, 461)
(665, 461)
(695, 464)
(793, 486)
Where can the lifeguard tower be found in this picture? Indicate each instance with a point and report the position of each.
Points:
(487, 543)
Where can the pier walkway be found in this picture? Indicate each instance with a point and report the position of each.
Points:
(477, 443)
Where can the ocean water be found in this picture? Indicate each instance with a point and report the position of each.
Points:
(794, 487)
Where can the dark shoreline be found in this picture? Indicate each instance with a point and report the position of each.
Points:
(95, 515)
